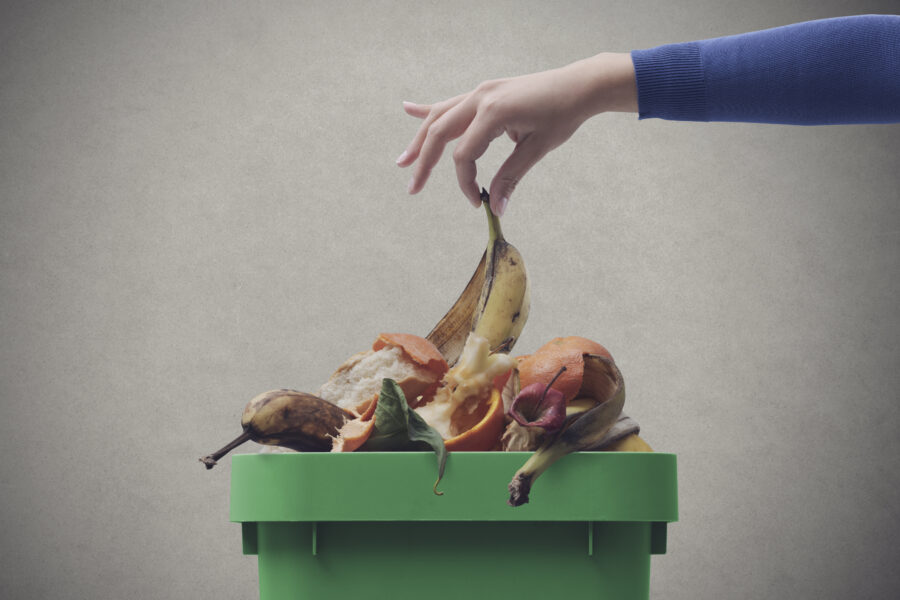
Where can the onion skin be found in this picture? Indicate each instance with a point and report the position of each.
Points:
(540, 405)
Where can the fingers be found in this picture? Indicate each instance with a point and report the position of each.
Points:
(472, 145)
(434, 112)
(528, 151)
(460, 117)
(449, 126)
(417, 110)
(465, 173)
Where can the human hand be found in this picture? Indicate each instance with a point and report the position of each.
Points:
(538, 112)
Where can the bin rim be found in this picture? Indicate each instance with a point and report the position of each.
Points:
(397, 486)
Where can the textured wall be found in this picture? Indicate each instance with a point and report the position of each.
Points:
(199, 202)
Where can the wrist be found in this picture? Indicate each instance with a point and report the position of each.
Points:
(609, 83)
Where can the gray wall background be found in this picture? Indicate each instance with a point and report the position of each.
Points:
(199, 202)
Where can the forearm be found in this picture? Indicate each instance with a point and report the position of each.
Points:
(844, 70)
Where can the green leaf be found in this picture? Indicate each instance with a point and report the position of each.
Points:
(391, 418)
(421, 432)
(399, 428)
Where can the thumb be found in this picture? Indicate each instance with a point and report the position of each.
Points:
(524, 156)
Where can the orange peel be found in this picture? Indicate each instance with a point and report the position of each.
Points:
(355, 432)
(545, 362)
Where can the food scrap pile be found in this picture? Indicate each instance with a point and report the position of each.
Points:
(459, 388)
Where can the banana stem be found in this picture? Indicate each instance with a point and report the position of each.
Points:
(210, 459)
(494, 231)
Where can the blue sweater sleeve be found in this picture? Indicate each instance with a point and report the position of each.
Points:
(842, 70)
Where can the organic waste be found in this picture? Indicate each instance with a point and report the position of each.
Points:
(287, 418)
(412, 361)
(605, 395)
(398, 427)
(494, 304)
(458, 388)
(539, 405)
(467, 408)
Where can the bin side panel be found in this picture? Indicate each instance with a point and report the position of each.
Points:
(284, 561)
(452, 560)
(622, 554)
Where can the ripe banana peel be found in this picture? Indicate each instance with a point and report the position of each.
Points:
(287, 418)
(494, 304)
(450, 333)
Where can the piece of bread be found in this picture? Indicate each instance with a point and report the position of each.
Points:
(358, 381)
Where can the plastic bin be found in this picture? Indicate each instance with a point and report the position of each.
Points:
(367, 525)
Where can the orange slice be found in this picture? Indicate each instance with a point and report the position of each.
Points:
(485, 433)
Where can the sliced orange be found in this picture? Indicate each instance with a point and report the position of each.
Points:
(485, 433)
(500, 380)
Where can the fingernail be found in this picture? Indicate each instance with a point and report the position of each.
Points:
(402, 157)
(412, 184)
(500, 207)
(475, 202)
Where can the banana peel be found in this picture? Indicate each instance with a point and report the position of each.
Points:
(586, 430)
(495, 302)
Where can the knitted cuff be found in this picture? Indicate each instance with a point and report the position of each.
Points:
(670, 82)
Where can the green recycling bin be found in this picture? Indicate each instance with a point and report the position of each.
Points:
(368, 525)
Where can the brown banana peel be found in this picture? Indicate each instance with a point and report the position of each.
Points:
(585, 430)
